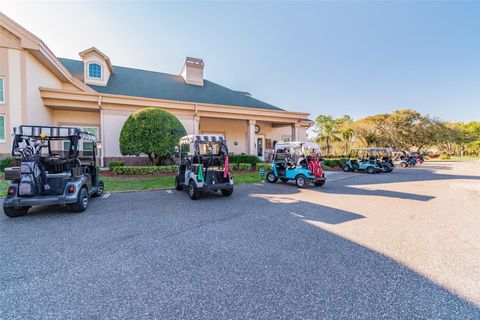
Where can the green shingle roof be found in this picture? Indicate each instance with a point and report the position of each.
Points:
(157, 85)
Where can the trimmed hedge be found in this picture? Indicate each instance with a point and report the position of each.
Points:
(113, 164)
(242, 158)
(241, 166)
(334, 162)
(263, 165)
(145, 170)
(8, 162)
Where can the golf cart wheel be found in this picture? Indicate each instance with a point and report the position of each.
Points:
(301, 181)
(346, 168)
(100, 190)
(319, 183)
(193, 192)
(15, 212)
(178, 187)
(271, 177)
(371, 170)
(355, 167)
(403, 164)
(226, 192)
(82, 201)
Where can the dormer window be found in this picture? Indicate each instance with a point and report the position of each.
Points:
(94, 71)
(97, 67)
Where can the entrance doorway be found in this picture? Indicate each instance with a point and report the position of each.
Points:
(260, 146)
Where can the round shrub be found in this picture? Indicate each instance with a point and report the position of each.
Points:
(153, 132)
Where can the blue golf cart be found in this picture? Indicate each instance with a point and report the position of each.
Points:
(362, 160)
(290, 162)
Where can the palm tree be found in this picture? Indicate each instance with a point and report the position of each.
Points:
(347, 135)
(326, 129)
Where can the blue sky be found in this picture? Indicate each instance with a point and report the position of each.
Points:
(356, 58)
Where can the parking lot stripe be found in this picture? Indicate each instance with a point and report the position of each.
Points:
(169, 191)
(106, 195)
(297, 215)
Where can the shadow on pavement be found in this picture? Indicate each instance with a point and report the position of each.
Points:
(354, 281)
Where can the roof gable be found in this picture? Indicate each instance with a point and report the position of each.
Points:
(157, 85)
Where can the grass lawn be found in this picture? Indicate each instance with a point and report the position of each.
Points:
(127, 184)
(3, 186)
(131, 184)
(454, 158)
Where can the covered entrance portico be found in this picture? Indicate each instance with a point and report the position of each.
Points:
(254, 137)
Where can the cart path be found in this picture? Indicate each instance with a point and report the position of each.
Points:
(402, 245)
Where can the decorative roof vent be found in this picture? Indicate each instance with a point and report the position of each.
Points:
(192, 71)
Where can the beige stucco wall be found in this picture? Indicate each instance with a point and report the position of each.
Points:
(76, 118)
(274, 133)
(38, 76)
(4, 107)
(113, 124)
(233, 130)
(23, 75)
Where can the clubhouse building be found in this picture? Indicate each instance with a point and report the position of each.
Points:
(36, 87)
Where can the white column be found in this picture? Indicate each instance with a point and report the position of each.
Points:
(102, 135)
(251, 137)
(196, 124)
(295, 129)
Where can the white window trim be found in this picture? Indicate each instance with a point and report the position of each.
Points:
(101, 71)
(4, 129)
(3, 90)
(80, 147)
(287, 136)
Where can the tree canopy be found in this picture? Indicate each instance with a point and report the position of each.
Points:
(402, 129)
(153, 132)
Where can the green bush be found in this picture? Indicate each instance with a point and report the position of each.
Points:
(263, 165)
(241, 166)
(144, 170)
(244, 166)
(243, 158)
(8, 162)
(113, 164)
(444, 156)
(339, 162)
(153, 132)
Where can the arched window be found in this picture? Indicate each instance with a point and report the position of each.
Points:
(94, 70)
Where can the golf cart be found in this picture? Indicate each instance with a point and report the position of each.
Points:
(290, 162)
(362, 160)
(402, 159)
(203, 166)
(48, 177)
(382, 156)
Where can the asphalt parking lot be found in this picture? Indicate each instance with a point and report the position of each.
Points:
(390, 246)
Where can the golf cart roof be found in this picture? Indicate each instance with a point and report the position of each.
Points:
(52, 133)
(295, 144)
(201, 138)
